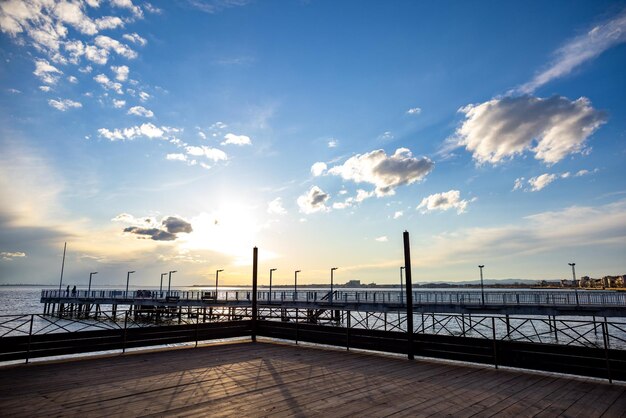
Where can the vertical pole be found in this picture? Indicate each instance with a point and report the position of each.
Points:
(495, 345)
(62, 267)
(409, 295)
(125, 324)
(255, 260)
(30, 334)
(605, 338)
(348, 324)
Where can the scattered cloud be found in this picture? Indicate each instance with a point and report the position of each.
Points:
(386, 173)
(579, 50)
(147, 130)
(135, 38)
(216, 6)
(519, 183)
(176, 157)
(275, 207)
(551, 129)
(541, 181)
(45, 88)
(121, 72)
(212, 154)
(72, 79)
(46, 72)
(318, 169)
(332, 143)
(143, 96)
(385, 136)
(398, 214)
(140, 111)
(444, 201)
(10, 256)
(149, 228)
(107, 84)
(382, 239)
(14, 91)
(414, 111)
(64, 104)
(232, 139)
(313, 201)
(119, 103)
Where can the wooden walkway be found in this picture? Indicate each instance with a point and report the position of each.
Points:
(269, 379)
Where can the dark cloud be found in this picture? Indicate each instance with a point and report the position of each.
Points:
(176, 225)
(154, 233)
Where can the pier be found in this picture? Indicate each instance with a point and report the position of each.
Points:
(269, 379)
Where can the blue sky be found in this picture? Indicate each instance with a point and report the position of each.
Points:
(177, 135)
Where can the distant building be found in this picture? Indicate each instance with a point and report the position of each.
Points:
(353, 283)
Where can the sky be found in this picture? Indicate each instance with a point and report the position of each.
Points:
(178, 135)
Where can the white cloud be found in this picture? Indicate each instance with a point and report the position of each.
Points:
(386, 173)
(386, 136)
(72, 79)
(64, 104)
(318, 169)
(147, 130)
(143, 96)
(540, 182)
(313, 201)
(121, 72)
(212, 154)
(333, 143)
(233, 139)
(135, 38)
(361, 195)
(414, 111)
(119, 103)
(11, 255)
(109, 22)
(519, 183)
(119, 48)
(398, 214)
(584, 172)
(382, 239)
(550, 128)
(86, 70)
(46, 72)
(107, 84)
(275, 207)
(14, 91)
(140, 111)
(444, 201)
(176, 157)
(45, 88)
(97, 55)
(581, 49)
(128, 4)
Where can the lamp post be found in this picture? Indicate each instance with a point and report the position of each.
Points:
(331, 283)
(270, 296)
(482, 287)
(295, 284)
(217, 276)
(127, 280)
(401, 295)
(169, 282)
(89, 288)
(161, 287)
(575, 285)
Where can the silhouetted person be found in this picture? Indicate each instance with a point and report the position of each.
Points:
(73, 291)
(67, 291)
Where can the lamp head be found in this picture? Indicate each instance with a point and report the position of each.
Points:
(481, 266)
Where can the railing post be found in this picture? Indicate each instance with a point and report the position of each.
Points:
(30, 334)
(605, 338)
(409, 295)
(255, 257)
(125, 325)
(495, 346)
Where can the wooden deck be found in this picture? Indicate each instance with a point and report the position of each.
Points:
(262, 379)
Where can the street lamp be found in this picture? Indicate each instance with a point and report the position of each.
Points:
(217, 276)
(127, 280)
(169, 282)
(401, 295)
(574, 277)
(482, 287)
(270, 297)
(331, 283)
(295, 284)
(89, 288)
(161, 287)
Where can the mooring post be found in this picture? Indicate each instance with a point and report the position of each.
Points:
(255, 260)
(409, 294)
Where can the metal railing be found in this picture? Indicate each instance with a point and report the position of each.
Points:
(492, 298)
